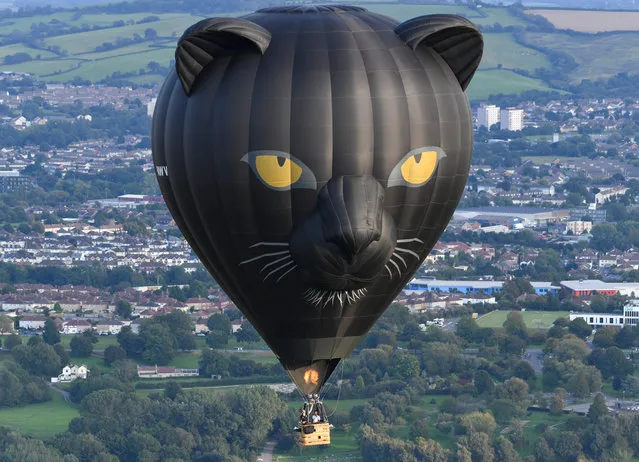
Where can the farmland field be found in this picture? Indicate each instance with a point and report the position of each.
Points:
(502, 81)
(615, 52)
(533, 319)
(501, 49)
(591, 21)
(42, 419)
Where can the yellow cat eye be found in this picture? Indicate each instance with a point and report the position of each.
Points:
(277, 172)
(418, 168)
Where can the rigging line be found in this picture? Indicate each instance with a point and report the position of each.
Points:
(339, 390)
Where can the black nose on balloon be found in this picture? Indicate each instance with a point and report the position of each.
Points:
(351, 209)
(348, 239)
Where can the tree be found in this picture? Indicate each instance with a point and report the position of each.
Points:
(419, 429)
(6, 325)
(12, 341)
(51, 335)
(556, 405)
(611, 362)
(81, 346)
(216, 339)
(580, 328)
(113, 353)
(571, 347)
(124, 309)
(568, 446)
(482, 422)
(219, 323)
(605, 337)
(130, 342)
(213, 363)
(598, 408)
(525, 371)
(484, 383)
(172, 389)
(543, 451)
(467, 328)
(38, 359)
(405, 365)
(515, 325)
(626, 337)
(505, 451)
(158, 344)
(247, 334)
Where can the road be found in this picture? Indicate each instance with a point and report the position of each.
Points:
(267, 453)
(535, 357)
(65, 394)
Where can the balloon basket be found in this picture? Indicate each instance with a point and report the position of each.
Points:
(318, 434)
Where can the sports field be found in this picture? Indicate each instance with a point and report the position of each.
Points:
(533, 319)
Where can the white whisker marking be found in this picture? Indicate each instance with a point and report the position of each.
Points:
(270, 254)
(410, 240)
(390, 274)
(275, 262)
(279, 268)
(272, 244)
(399, 271)
(402, 260)
(399, 249)
(291, 269)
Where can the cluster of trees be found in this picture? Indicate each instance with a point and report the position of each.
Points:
(96, 276)
(107, 122)
(174, 425)
(159, 338)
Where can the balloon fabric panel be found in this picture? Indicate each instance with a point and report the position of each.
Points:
(312, 157)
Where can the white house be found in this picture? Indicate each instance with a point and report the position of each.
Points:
(32, 322)
(75, 326)
(71, 373)
(109, 327)
(201, 327)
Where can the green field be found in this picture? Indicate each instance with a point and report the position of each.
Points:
(615, 52)
(501, 49)
(43, 419)
(533, 319)
(506, 82)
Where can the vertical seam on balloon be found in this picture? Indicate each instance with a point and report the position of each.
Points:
(169, 159)
(193, 199)
(408, 113)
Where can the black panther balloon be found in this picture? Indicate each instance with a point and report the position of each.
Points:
(312, 157)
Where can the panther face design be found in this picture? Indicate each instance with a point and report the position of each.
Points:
(312, 157)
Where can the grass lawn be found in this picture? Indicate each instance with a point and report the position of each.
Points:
(502, 49)
(43, 420)
(486, 83)
(533, 319)
(103, 341)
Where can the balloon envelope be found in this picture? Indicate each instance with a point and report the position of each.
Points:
(312, 157)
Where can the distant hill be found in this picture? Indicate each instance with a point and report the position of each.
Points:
(134, 42)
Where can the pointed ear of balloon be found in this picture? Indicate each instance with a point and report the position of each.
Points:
(214, 37)
(457, 40)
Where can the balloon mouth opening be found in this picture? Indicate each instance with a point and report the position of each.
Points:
(322, 297)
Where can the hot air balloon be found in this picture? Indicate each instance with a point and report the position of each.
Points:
(312, 156)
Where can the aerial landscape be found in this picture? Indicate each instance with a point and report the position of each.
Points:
(202, 235)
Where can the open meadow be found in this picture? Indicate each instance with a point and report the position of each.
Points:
(43, 419)
(590, 21)
(615, 52)
(533, 319)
